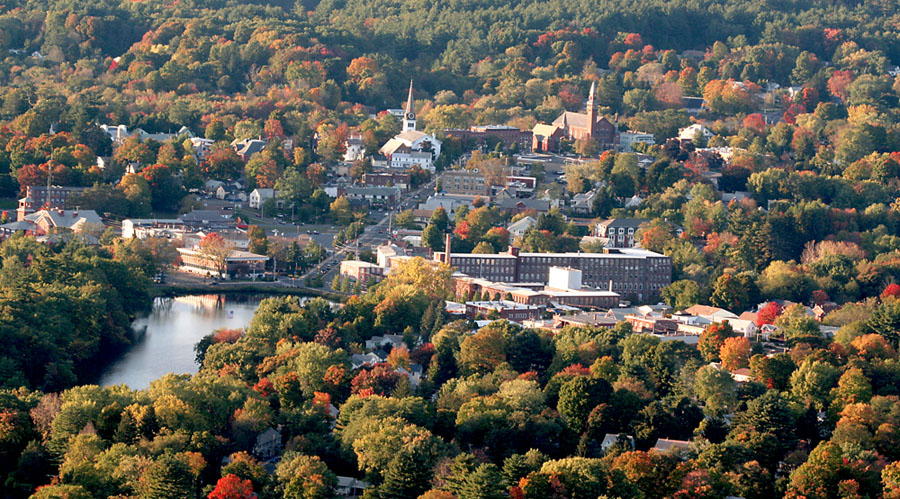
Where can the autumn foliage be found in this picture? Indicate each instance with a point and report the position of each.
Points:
(232, 487)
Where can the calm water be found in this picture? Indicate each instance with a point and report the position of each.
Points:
(172, 330)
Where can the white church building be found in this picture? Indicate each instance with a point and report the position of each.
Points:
(411, 147)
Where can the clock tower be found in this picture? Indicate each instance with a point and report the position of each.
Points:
(409, 118)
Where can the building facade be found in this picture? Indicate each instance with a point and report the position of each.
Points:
(485, 136)
(465, 182)
(38, 197)
(620, 231)
(630, 272)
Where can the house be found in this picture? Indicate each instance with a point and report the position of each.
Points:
(611, 439)
(744, 327)
(620, 231)
(367, 359)
(693, 105)
(574, 126)
(355, 148)
(539, 206)
(231, 192)
(583, 203)
(44, 222)
(628, 139)
(666, 445)
(413, 374)
(518, 228)
(388, 341)
(248, 147)
(633, 201)
(689, 133)
(349, 487)
(201, 147)
(259, 197)
(373, 196)
(211, 186)
(742, 375)
(268, 444)
(714, 314)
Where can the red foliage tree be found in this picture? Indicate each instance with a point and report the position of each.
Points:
(381, 379)
(756, 123)
(225, 335)
(633, 40)
(891, 290)
(768, 313)
(422, 354)
(839, 82)
(232, 487)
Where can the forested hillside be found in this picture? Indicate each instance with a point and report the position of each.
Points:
(802, 95)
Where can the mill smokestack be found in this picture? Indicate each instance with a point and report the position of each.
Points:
(447, 249)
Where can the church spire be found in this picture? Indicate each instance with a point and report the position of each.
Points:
(591, 106)
(409, 118)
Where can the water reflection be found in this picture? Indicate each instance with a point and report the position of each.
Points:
(166, 337)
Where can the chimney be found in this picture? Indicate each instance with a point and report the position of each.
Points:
(610, 285)
(514, 251)
(447, 249)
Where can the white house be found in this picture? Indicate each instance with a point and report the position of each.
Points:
(518, 228)
(355, 148)
(268, 444)
(690, 132)
(745, 327)
(259, 197)
(631, 137)
(201, 147)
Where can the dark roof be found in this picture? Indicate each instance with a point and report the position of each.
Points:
(530, 204)
(693, 102)
(206, 215)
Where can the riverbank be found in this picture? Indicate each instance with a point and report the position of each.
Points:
(173, 290)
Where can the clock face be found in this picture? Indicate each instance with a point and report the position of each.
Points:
(410, 116)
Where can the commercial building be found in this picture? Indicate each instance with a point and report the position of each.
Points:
(482, 136)
(631, 272)
(240, 264)
(505, 309)
(466, 182)
(564, 290)
(387, 179)
(39, 197)
(362, 272)
(143, 228)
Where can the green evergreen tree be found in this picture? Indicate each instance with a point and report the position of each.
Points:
(168, 478)
(407, 476)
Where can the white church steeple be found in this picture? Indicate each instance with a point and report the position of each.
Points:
(409, 118)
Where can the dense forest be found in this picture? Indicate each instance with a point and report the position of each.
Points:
(502, 412)
(804, 94)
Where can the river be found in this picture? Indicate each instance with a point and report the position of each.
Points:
(170, 332)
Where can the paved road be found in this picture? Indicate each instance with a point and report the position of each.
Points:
(373, 236)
